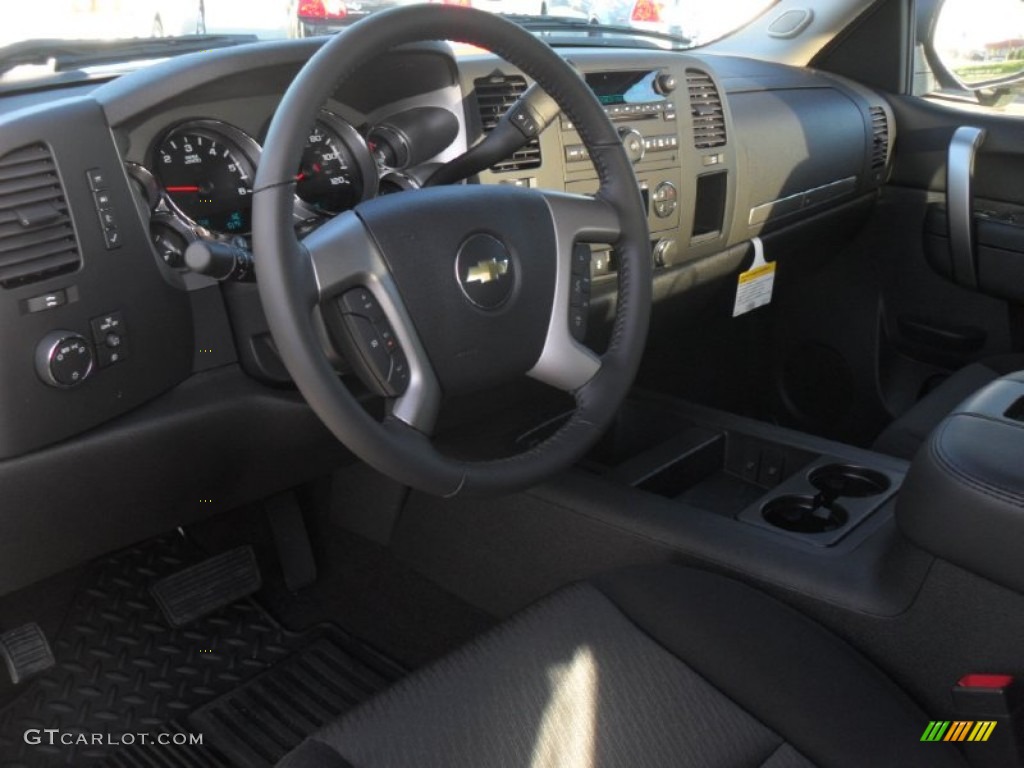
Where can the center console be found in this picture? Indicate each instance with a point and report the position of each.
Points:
(807, 494)
(964, 497)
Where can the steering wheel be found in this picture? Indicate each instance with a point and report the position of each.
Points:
(465, 287)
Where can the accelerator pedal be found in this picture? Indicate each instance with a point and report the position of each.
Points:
(25, 651)
(208, 586)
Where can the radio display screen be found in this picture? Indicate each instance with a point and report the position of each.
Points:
(623, 87)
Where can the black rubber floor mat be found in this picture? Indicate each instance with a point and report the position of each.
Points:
(122, 670)
(256, 724)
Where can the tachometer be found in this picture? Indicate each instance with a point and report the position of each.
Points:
(337, 170)
(206, 169)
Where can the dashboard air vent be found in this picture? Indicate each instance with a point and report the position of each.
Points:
(494, 95)
(880, 137)
(706, 109)
(37, 239)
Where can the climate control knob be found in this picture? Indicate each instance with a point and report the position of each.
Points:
(64, 359)
(665, 253)
(633, 141)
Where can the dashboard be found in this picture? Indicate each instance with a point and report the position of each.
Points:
(104, 186)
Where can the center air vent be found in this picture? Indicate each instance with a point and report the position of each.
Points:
(879, 137)
(706, 109)
(494, 96)
(37, 239)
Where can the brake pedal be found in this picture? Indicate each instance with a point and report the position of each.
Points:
(26, 652)
(294, 549)
(208, 586)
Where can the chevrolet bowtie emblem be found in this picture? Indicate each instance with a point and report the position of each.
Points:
(486, 271)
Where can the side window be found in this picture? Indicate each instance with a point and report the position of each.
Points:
(972, 52)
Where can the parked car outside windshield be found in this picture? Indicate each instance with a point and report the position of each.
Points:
(693, 22)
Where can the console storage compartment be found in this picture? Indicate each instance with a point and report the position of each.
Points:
(762, 480)
(963, 499)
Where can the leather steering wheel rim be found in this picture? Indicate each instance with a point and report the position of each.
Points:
(291, 288)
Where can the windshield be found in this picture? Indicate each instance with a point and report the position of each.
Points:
(41, 41)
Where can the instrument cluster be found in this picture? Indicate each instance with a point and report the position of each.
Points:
(197, 181)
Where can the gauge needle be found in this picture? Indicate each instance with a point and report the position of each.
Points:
(300, 176)
(172, 190)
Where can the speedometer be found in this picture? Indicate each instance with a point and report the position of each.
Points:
(207, 175)
(337, 170)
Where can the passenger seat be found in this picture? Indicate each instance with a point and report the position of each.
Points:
(905, 435)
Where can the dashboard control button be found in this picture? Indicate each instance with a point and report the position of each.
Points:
(108, 220)
(112, 322)
(665, 253)
(97, 179)
(633, 142)
(665, 83)
(107, 355)
(49, 300)
(64, 359)
(103, 201)
(112, 238)
(665, 199)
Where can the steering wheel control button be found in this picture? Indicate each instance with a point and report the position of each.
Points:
(581, 259)
(485, 271)
(399, 378)
(377, 353)
(64, 359)
(50, 300)
(579, 292)
(360, 301)
(578, 322)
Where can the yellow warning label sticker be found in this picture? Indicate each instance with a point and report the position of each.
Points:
(754, 287)
(754, 274)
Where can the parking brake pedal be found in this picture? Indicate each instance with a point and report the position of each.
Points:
(208, 586)
(25, 651)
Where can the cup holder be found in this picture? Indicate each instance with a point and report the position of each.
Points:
(835, 480)
(804, 514)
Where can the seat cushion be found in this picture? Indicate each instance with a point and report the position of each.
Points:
(907, 433)
(660, 666)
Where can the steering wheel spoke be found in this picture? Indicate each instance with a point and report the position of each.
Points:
(356, 290)
(565, 362)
